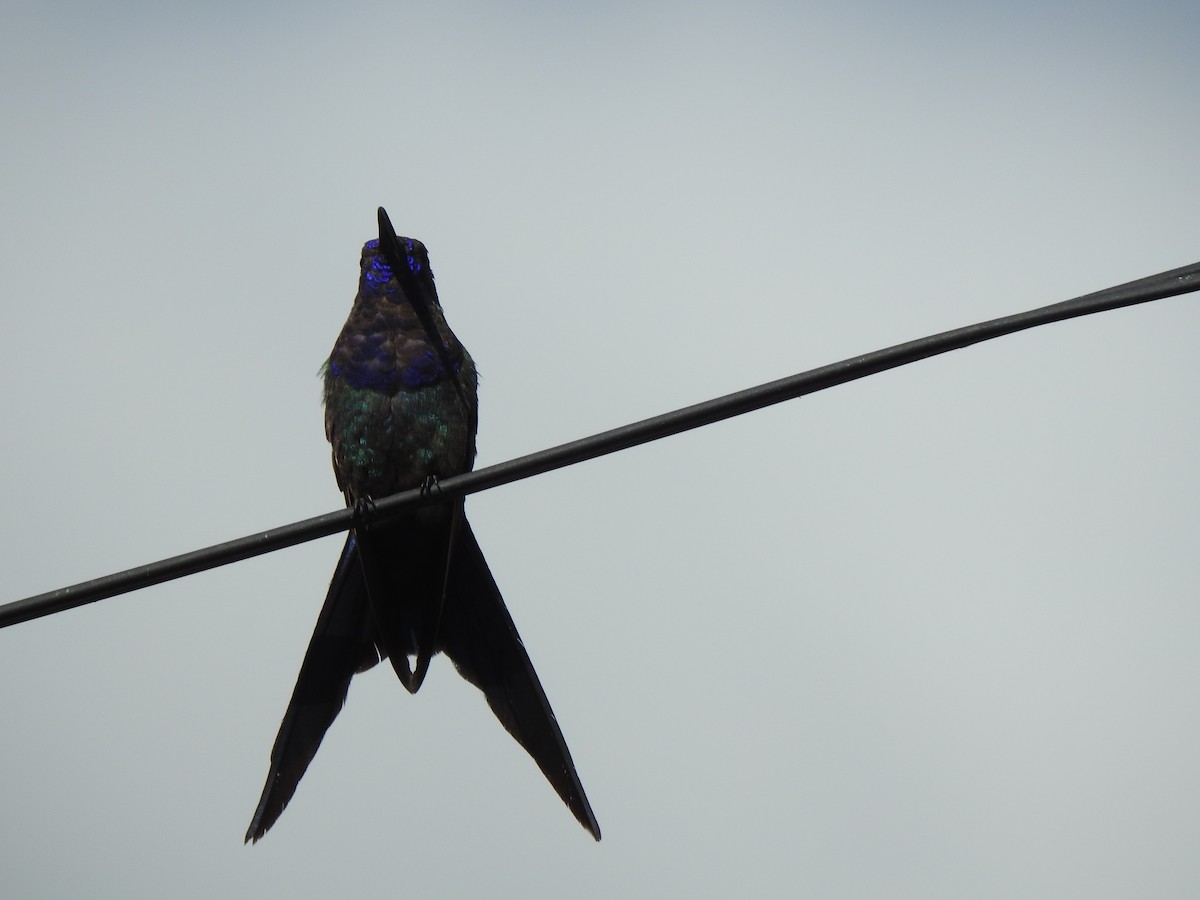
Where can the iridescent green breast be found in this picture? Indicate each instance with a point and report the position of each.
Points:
(387, 443)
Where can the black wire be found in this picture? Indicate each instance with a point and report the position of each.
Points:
(1155, 287)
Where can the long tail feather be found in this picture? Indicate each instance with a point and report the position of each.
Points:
(341, 645)
(478, 634)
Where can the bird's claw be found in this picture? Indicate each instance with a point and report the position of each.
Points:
(364, 513)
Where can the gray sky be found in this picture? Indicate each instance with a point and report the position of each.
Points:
(929, 635)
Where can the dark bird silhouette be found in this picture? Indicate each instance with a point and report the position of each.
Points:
(401, 412)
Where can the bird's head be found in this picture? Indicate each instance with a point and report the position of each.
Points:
(397, 267)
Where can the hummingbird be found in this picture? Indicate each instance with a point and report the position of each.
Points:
(401, 412)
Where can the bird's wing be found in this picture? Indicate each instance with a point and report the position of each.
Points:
(405, 565)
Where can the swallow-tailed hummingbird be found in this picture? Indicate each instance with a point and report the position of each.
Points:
(401, 412)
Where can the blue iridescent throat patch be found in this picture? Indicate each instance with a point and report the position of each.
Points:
(413, 265)
(378, 273)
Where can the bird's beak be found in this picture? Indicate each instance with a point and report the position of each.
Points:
(389, 244)
(387, 234)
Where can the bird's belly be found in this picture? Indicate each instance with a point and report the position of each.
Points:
(383, 445)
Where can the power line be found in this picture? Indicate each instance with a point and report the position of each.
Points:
(1155, 287)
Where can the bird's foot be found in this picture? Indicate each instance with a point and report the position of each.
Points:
(364, 514)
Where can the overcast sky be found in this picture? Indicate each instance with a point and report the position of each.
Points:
(933, 634)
